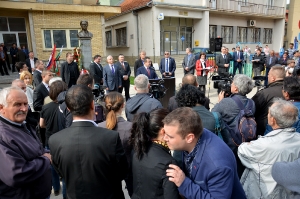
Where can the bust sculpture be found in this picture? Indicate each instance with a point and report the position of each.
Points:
(84, 33)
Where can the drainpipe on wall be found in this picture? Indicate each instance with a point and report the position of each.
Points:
(137, 30)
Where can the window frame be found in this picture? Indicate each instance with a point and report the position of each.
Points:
(106, 41)
(253, 38)
(264, 38)
(67, 35)
(230, 36)
(121, 39)
(238, 37)
(214, 36)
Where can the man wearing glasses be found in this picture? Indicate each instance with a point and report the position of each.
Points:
(167, 66)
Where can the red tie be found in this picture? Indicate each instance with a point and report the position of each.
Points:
(148, 71)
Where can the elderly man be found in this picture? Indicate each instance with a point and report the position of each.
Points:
(142, 101)
(269, 63)
(30, 62)
(139, 62)
(111, 75)
(281, 144)
(167, 65)
(263, 98)
(91, 159)
(209, 169)
(229, 108)
(25, 166)
(189, 62)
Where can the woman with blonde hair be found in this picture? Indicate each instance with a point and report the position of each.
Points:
(27, 78)
(114, 105)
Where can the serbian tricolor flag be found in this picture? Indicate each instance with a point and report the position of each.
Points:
(51, 61)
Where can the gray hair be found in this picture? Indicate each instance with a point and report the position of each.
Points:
(141, 82)
(243, 83)
(54, 79)
(190, 49)
(15, 82)
(109, 56)
(284, 112)
(37, 62)
(5, 92)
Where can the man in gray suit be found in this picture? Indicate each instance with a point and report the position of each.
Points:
(270, 61)
(111, 76)
(189, 62)
(223, 62)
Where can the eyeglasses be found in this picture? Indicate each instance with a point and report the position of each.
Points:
(166, 53)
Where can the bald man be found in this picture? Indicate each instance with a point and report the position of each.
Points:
(111, 76)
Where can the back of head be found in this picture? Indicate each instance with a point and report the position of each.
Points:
(145, 128)
(189, 79)
(187, 119)
(141, 82)
(291, 85)
(79, 99)
(18, 83)
(243, 83)
(284, 113)
(189, 96)
(85, 79)
(56, 88)
(54, 79)
(113, 104)
(20, 65)
(278, 72)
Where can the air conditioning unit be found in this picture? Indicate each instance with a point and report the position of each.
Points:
(252, 23)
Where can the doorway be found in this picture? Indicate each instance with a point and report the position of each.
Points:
(170, 42)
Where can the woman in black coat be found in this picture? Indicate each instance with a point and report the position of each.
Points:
(151, 158)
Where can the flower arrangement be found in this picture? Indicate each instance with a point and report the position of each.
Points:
(78, 57)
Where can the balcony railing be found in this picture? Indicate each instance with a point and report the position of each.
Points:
(245, 7)
(77, 2)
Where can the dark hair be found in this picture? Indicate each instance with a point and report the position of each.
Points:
(187, 119)
(146, 127)
(201, 55)
(79, 99)
(147, 58)
(189, 96)
(20, 65)
(56, 88)
(258, 50)
(291, 44)
(113, 103)
(67, 54)
(291, 85)
(96, 56)
(84, 79)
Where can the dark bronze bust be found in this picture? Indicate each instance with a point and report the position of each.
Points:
(84, 33)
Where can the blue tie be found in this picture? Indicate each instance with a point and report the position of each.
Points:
(112, 69)
(167, 65)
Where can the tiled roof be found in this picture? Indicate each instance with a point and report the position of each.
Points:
(128, 5)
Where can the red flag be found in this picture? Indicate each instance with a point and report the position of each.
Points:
(51, 61)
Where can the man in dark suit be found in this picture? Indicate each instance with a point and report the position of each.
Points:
(13, 53)
(6, 55)
(139, 62)
(167, 65)
(124, 71)
(30, 62)
(147, 69)
(90, 158)
(238, 59)
(204, 172)
(3, 58)
(271, 60)
(37, 74)
(96, 70)
(42, 90)
(111, 76)
(69, 71)
(222, 61)
(189, 62)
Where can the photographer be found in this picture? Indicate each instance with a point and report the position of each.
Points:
(229, 109)
(142, 101)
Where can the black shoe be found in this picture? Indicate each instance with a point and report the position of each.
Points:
(56, 193)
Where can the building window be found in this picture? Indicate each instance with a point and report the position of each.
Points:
(227, 34)
(108, 38)
(270, 3)
(254, 34)
(268, 32)
(66, 38)
(244, 2)
(212, 31)
(121, 37)
(242, 34)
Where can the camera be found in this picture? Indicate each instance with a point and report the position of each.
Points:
(223, 84)
(157, 89)
(99, 91)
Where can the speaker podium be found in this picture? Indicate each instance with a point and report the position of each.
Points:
(169, 84)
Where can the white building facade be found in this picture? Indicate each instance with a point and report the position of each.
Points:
(192, 23)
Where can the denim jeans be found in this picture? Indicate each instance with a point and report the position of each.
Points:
(56, 181)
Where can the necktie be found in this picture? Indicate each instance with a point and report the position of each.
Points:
(238, 55)
(112, 69)
(148, 70)
(123, 65)
(167, 65)
(224, 56)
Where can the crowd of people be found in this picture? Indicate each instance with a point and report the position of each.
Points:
(241, 148)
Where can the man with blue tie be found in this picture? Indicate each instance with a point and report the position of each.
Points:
(111, 76)
(238, 58)
(167, 66)
(147, 70)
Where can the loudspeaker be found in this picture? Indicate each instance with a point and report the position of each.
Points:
(215, 44)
